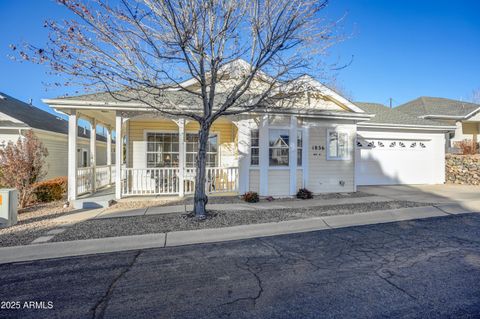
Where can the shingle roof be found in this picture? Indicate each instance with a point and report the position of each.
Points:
(36, 118)
(437, 106)
(385, 115)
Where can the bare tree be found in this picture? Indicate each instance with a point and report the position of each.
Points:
(23, 164)
(476, 96)
(140, 50)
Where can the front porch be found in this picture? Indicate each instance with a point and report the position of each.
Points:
(154, 157)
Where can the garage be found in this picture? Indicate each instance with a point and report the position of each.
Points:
(395, 149)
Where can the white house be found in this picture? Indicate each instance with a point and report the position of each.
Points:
(324, 143)
(16, 117)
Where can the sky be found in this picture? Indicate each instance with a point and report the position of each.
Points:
(397, 49)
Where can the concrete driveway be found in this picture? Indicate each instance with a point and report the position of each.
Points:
(467, 196)
(413, 269)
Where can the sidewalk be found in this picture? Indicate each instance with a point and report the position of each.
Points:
(178, 238)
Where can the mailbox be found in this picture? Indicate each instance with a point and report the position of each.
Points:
(8, 207)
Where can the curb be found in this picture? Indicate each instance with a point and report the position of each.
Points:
(179, 238)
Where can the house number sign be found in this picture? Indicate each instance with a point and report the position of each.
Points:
(318, 150)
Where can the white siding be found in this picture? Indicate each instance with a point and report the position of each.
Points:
(279, 182)
(254, 180)
(325, 176)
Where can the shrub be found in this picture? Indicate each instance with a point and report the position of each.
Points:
(304, 193)
(50, 190)
(251, 197)
(23, 164)
(467, 147)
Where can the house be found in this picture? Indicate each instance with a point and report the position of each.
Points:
(16, 117)
(463, 115)
(317, 143)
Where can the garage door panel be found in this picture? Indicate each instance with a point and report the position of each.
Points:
(389, 162)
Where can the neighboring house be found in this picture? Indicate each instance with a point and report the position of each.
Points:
(16, 117)
(311, 144)
(465, 116)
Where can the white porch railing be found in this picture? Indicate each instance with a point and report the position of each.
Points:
(166, 181)
(104, 176)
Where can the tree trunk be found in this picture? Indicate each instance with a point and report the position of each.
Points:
(200, 197)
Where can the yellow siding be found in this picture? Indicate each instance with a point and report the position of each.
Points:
(279, 182)
(137, 146)
(325, 175)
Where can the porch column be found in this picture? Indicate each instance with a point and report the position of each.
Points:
(293, 155)
(263, 155)
(118, 155)
(93, 151)
(72, 156)
(109, 153)
(243, 140)
(181, 157)
(305, 153)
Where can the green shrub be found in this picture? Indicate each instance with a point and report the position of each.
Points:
(304, 193)
(50, 190)
(251, 197)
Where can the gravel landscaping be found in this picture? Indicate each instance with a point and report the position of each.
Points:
(131, 203)
(33, 221)
(138, 225)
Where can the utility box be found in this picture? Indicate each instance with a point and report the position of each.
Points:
(8, 207)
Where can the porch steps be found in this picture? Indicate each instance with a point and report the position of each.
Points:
(92, 202)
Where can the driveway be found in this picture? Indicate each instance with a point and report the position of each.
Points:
(466, 195)
(423, 268)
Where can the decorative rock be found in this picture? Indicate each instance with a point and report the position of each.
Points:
(462, 169)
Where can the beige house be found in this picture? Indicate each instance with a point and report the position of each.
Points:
(312, 143)
(464, 116)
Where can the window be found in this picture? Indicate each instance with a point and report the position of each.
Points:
(192, 149)
(162, 149)
(299, 148)
(337, 145)
(254, 148)
(278, 147)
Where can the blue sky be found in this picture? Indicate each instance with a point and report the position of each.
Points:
(401, 49)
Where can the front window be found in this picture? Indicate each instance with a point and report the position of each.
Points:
(162, 149)
(192, 149)
(337, 145)
(278, 147)
(254, 148)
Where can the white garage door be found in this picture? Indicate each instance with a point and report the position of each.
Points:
(394, 161)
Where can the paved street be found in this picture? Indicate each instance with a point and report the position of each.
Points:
(424, 268)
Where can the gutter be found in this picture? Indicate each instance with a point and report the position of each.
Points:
(124, 106)
(407, 126)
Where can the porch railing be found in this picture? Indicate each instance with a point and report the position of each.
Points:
(104, 176)
(166, 181)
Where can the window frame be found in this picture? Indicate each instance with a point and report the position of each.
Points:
(255, 147)
(217, 154)
(300, 131)
(347, 153)
(145, 136)
(279, 128)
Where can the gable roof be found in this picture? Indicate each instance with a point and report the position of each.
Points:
(176, 96)
(385, 115)
(439, 107)
(30, 116)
